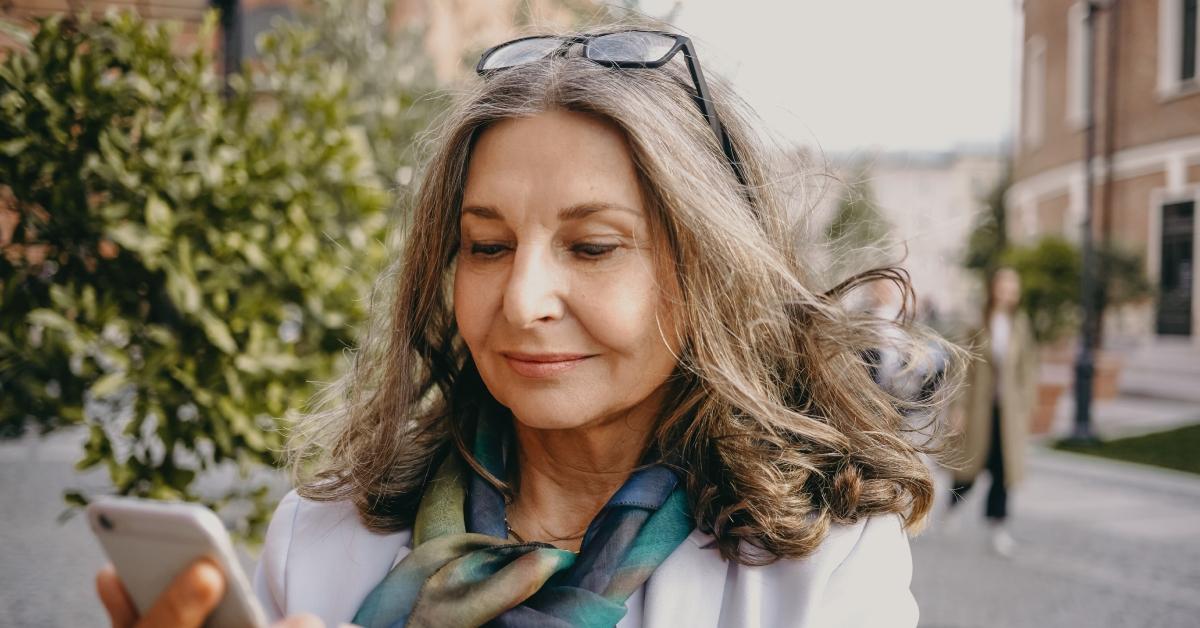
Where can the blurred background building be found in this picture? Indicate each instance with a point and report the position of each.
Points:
(1146, 172)
(189, 13)
(452, 29)
(930, 198)
(926, 203)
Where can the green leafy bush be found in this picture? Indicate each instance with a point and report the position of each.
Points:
(391, 93)
(181, 266)
(1122, 275)
(1049, 271)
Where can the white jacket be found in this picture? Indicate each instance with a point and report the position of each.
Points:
(319, 558)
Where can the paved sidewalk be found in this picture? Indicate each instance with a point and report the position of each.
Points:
(1100, 544)
(47, 568)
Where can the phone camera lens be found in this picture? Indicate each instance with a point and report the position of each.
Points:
(105, 522)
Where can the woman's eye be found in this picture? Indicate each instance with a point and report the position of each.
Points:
(593, 251)
(484, 250)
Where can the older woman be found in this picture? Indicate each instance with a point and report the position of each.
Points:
(605, 391)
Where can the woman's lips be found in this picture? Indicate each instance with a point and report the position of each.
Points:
(543, 365)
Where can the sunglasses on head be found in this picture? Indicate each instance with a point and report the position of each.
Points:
(629, 49)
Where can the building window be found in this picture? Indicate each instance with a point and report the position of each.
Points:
(1034, 106)
(1076, 63)
(1178, 52)
(1175, 269)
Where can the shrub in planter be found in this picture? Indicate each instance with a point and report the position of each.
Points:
(1050, 272)
(1050, 276)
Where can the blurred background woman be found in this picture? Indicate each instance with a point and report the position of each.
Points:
(996, 405)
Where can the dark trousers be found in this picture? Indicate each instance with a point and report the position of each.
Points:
(997, 498)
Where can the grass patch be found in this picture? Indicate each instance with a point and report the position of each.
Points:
(1177, 449)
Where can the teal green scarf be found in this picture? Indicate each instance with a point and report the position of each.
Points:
(464, 572)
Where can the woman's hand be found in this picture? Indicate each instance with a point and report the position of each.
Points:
(184, 604)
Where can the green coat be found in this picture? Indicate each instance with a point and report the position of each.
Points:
(1017, 398)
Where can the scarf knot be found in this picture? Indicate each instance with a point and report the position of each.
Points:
(464, 571)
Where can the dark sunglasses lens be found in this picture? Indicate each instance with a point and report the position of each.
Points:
(630, 47)
(520, 52)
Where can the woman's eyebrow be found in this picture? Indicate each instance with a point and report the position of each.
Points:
(487, 213)
(580, 211)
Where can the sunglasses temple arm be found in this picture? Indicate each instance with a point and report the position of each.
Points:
(709, 111)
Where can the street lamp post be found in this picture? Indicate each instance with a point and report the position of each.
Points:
(230, 12)
(1085, 362)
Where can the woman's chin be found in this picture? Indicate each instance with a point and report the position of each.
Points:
(544, 410)
(546, 420)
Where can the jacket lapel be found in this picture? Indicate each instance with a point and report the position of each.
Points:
(688, 587)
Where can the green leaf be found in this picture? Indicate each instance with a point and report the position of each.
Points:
(50, 320)
(184, 291)
(158, 216)
(15, 146)
(136, 238)
(218, 332)
(107, 385)
(15, 33)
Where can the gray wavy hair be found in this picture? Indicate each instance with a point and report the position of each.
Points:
(773, 419)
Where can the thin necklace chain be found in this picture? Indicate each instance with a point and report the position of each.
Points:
(520, 539)
(513, 533)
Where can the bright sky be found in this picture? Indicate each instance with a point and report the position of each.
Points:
(857, 74)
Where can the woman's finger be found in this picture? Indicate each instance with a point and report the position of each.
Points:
(121, 611)
(191, 597)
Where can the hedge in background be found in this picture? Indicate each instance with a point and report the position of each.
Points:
(178, 267)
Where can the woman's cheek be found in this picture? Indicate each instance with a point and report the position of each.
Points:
(621, 314)
(469, 306)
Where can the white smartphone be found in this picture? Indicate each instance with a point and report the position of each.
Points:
(150, 542)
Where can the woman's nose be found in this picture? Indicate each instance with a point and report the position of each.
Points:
(533, 293)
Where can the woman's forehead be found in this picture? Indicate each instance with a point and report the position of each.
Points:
(568, 163)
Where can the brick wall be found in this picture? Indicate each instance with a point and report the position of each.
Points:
(1130, 205)
(1046, 19)
(188, 13)
(1142, 117)
(183, 10)
(1052, 215)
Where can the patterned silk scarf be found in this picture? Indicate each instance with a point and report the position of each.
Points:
(463, 571)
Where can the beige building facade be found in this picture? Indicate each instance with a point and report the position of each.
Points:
(931, 201)
(1146, 169)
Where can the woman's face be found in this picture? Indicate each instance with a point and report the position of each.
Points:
(1006, 289)
(557, 291)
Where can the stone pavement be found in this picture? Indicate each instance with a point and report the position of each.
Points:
(47, 568)
(1100, 544)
